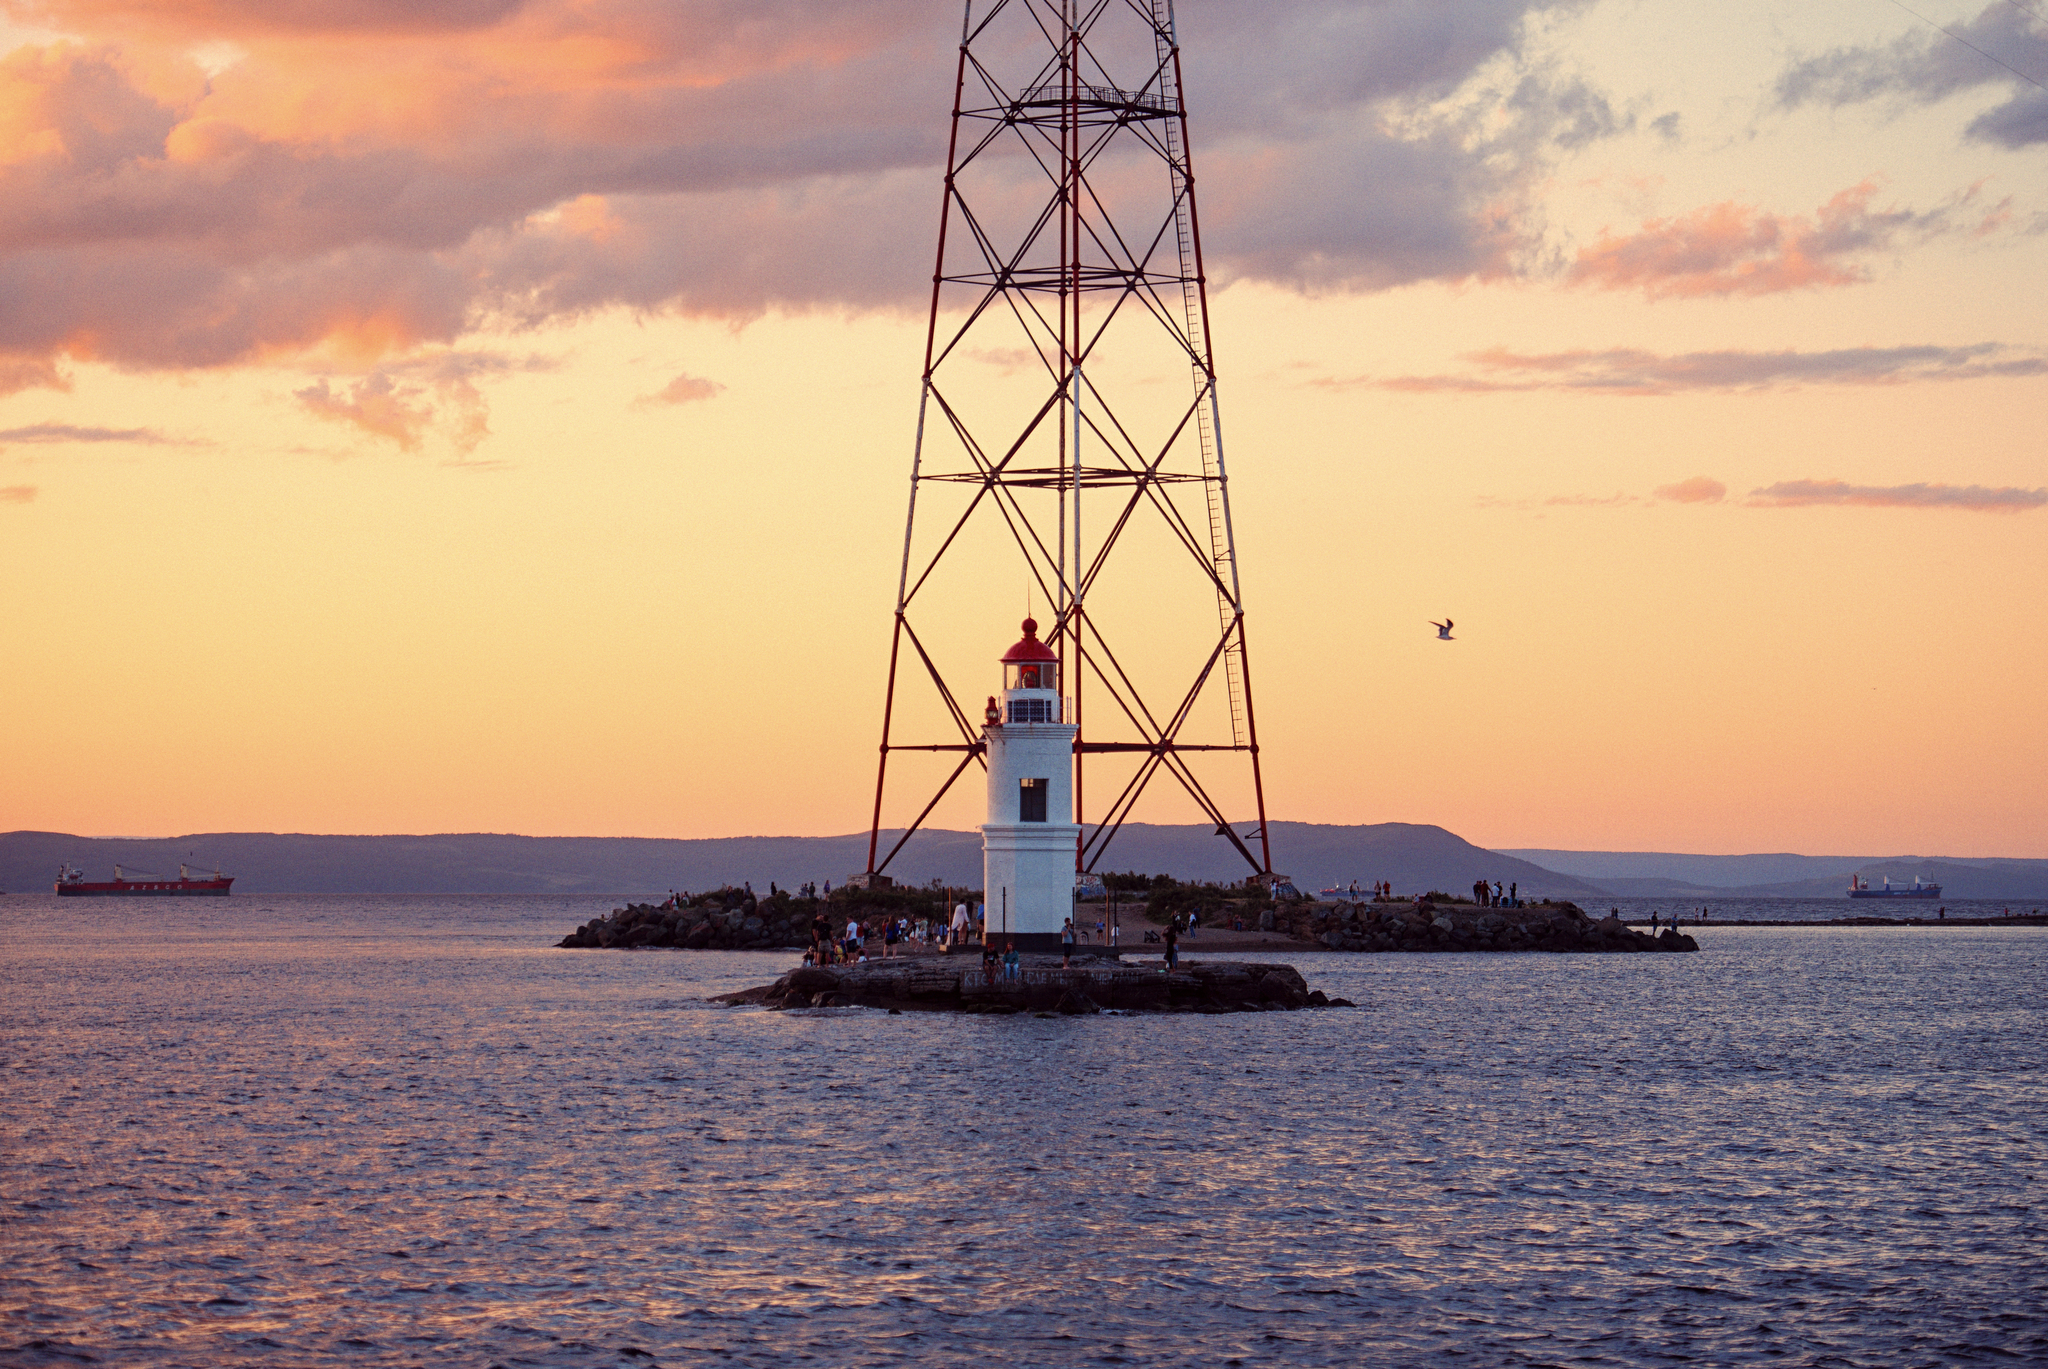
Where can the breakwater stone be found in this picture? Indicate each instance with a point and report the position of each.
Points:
(782, 923)
(1423, 926)
(1041, 985)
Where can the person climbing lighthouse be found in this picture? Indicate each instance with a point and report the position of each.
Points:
(1029, 840)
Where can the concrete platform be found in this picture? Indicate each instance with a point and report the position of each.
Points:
(957, 983)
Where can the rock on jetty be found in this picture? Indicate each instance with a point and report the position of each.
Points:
(1424, 926)
(955, 983)
(742, 923)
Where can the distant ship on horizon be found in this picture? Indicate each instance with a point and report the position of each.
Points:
(72, 883)
(1859, 889)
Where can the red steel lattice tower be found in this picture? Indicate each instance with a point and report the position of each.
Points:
(1068, 302)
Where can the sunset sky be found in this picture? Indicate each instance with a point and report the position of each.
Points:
(495, 415)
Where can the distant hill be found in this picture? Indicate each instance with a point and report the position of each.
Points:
(1663, 874)
(1416, 858)
(1617, 870)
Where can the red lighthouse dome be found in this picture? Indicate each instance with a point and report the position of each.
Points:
(1030, 649)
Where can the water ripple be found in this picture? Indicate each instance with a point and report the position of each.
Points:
(381, 1132)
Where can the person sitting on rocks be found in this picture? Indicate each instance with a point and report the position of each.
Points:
(1013, 968)
(988, 963)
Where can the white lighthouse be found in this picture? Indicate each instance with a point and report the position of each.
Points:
(1029, 842)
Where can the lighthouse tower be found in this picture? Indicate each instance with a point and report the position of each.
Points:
(1030, 839)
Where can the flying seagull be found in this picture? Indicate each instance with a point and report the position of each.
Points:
(1443, 630)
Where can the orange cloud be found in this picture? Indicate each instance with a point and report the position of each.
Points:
(198, 183)
(1734, 249)
(17, 494)
(30, 372)
(401, 400)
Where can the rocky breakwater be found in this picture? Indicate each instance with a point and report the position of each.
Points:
(1041, 986)
(1426, 926)
(730, 920)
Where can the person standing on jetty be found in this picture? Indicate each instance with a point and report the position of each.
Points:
(1067, 944)
(959, 928)
(1172, 943)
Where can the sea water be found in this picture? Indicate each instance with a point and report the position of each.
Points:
(377, 1131)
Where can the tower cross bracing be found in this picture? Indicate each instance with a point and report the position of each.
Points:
(1068, 283)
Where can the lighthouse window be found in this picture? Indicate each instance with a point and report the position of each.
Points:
(1031, 801)
(1032, 711)
(1038, 675)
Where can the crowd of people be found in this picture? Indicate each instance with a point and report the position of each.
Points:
(832, 944)
(1495, 897)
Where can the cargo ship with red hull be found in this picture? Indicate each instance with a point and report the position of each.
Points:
(72, 883)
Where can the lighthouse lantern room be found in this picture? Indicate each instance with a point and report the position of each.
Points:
(1030, 839)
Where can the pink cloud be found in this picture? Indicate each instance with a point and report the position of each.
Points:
(1007, 360)
(17, 494)
(1733, 249)
(685, 389)
(401, 400)
(1698, 490)
(55, 433)
(376, 404)
(1631, 371)
(2003, 46)
(239, 18)
(1791, 494)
